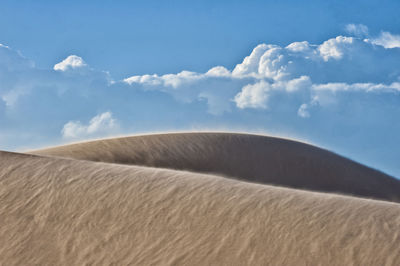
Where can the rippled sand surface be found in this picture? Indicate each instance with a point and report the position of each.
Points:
(113, 202)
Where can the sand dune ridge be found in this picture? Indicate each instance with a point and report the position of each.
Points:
(76, 211)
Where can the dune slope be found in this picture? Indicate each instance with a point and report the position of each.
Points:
(253, 158)
(63, 211)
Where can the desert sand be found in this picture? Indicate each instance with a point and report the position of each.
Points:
(113, 202)
(253, 158)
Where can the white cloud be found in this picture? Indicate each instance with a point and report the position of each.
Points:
(273, 64)
(301, 83)
(145, 79)
(344, 82)
(215, 86)
(299, 46)
(169, 80)
(364, 87)
(256, 95)
(218, 71)
(71, 62)
(100, 124)
(341, 63)
(297, 79)
(253, 96)
(335, 48)
(387, 40)
(251, 63)
(358, 30)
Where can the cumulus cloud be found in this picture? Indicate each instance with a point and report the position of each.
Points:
(270, 72)
(298, 70)
(71, 62)
(299, 47)
(21, 80)
(345, 81)
(250, 63)
(101, 124)
(216, 86)
(335, 48)
(257, 95)
(253, 96)
(301, 83)
(218, 71)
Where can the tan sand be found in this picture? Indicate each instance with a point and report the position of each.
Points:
(68, 212)
(253, 158)
(73, 211)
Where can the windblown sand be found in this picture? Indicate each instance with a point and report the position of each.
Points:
(246, 157)
(73, 211)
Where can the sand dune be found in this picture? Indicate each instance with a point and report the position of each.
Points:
(254, 158)
(114, 202)
(63, 211)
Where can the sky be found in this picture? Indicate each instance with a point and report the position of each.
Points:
(322, 72)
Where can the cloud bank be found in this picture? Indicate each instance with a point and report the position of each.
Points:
(346, 63)
(345, 89)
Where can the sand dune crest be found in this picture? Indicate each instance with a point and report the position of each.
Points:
(247, 157)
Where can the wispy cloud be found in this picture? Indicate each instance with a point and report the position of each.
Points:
(387, 40)
(358, 30)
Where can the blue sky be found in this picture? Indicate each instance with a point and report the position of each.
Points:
(325, 72)
(140, 37)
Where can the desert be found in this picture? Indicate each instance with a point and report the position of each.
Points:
(195, 199)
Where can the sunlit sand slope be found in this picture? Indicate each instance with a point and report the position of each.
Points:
(248, 157)
(61, 211)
